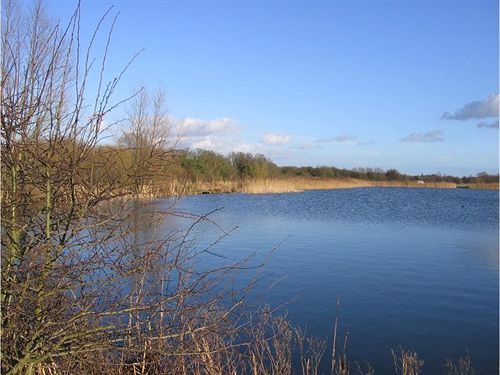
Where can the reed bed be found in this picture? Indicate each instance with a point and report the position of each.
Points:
(177, 187)
(288, 185)
(414, 184)
(484, 185)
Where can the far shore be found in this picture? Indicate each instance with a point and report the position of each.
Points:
(293, 184)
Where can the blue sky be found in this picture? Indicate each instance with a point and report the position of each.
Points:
(411, 85)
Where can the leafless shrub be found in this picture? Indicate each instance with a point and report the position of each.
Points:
(49, 197)
(148, 142)
(84, 276)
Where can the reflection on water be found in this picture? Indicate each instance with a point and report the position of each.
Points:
(412, 267)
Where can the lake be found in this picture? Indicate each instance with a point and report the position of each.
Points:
(411, 267)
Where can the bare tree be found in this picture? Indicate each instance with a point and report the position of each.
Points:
(149, 138)
(88, 285)
(52, 186)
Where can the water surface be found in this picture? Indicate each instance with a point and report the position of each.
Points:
(411, 267)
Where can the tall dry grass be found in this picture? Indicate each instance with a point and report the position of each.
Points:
(414, 184)
(407, 362)
(484, 185)
(295, 184)
(178, 187)
(463, 366)
(286, 185)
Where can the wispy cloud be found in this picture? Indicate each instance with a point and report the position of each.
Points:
(276, 139)
(345, 138)
(195, 127)
(364, 143)
(429, 137)
(324, 140)
(491, 125)
(307, 145)
(221, 134)
(476, 110)
(342, 138)
(225, 135)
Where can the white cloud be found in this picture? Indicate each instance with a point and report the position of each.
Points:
(432, 136)
(221, 134)
(319, 143)
(224, 135)
(276, 139)
(342, 138)
(324, 140)
(491, 125)
(195, 127)
(307, 145)
(476, 110)
(366, 143)
(345, 138)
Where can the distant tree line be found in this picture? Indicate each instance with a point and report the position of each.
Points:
(211, 166)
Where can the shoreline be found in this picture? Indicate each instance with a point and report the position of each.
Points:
(293, 185)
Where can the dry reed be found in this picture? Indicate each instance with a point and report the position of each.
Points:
(178, 187)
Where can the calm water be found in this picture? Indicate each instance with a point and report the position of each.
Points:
(411, 267)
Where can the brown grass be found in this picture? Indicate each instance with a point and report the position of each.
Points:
(175, 187)
(484, 185)
(414, 184)
(407, 362)
(463, 366)
(286, 185)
